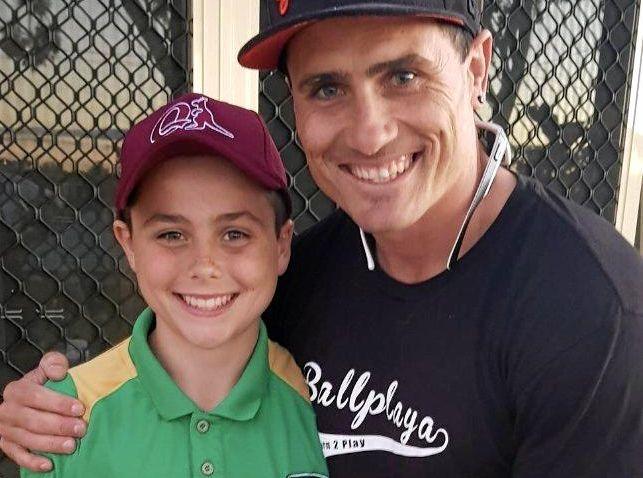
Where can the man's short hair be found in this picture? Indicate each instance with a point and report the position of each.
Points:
(459, 36)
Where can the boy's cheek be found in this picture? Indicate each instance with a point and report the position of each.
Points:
(157, 264)
(254, 272)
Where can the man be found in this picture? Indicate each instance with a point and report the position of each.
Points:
(440, 334)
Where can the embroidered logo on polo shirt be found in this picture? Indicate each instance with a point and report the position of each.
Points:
(353, 396)
(195, 115)
(283, 6)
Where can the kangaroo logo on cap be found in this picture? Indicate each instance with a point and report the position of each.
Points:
(283, 6)
(192, 116)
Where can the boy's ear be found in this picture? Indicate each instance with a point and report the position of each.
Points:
(124, 237)
(284, 240)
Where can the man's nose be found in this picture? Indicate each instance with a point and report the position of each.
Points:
(372, 126)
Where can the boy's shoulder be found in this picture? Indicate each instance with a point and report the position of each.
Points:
(284, 367)
(101, 376)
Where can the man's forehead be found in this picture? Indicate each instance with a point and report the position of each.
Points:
(367, 41)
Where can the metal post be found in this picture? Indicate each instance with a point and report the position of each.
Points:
(220, 28)
(629, 196)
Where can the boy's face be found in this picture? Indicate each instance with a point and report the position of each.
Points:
(204, 249)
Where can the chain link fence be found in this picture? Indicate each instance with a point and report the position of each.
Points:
(75, 75)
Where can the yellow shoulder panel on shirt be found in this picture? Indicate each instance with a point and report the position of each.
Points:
(284, 366)
(103, 375)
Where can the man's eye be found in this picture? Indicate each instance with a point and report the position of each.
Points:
(171, 236)
(402, 78)
(326, 92)
(234, 235)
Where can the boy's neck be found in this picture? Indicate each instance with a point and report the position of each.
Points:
(204, 375)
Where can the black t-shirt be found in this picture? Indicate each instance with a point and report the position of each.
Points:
(525, 360)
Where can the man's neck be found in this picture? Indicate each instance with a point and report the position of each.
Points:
(420, 251)
(204, 375)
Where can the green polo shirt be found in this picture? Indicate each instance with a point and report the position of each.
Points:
(142, 425)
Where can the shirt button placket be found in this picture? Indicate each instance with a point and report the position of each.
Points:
(202, 426)
(207, 468)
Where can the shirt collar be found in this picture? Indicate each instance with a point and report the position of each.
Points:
(243, 401)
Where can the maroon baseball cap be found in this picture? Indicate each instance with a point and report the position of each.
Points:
(195, 124)
(282, 19)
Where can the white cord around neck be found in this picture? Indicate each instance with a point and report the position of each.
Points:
(367, 251)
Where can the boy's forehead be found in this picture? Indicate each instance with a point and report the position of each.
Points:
(209, 181)
(185, 167)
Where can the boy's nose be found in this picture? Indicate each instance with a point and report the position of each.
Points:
(205, 267)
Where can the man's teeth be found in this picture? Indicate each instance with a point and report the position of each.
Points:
(207, 304)
(382, 174)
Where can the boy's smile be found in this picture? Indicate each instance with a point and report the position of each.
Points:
(205, 252)
(207, 304)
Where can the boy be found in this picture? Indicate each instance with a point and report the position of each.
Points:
(198, 389)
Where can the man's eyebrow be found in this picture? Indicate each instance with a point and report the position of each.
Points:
(169, 218)
(321, 78)
(405, 61)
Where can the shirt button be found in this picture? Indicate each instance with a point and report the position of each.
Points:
(207, 468)
(202, 426)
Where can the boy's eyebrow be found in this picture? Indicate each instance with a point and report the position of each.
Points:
(231, 216)
(161, 217)
(177, 218)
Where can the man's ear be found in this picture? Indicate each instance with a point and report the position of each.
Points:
(478, 61)
(123, 235)
(284, 241)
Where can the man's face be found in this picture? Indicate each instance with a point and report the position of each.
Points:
(205, 252)
(384, 113)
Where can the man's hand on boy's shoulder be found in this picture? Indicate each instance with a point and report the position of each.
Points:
(32, 417)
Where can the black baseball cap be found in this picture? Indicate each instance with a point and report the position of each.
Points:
(284, 18)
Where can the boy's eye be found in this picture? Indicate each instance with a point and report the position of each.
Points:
(171, 236)
(402, 78)
(234, 235)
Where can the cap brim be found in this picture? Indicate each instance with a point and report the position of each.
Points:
(263, 51)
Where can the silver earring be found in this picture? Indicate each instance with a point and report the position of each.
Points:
(482, 98)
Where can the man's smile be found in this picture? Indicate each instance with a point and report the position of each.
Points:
(382, 173)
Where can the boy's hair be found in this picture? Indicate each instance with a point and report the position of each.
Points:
(276, 202)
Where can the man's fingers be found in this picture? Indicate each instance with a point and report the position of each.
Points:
(54, 365)
(23, 458)
(40, 443)
(39, 422)
(23, 395)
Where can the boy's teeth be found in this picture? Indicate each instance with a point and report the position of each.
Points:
(384, 173)
(207, 304)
